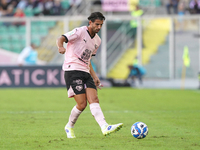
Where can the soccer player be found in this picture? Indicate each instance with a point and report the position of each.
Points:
(81, 80)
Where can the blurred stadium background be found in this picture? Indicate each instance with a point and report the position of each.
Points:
(156, 36)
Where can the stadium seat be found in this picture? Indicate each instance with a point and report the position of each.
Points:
(149, 3)
(5, 39)
(65, 4)
(36, 41)
(3, 29)
(157, 3)
(34, 28)
(50, 24)
(17, 48)
(12, 30)
(42, 23)
(28, 12)
(23, 41)
(15, 38)
(1, 43)
(35, 23)
(21, 30)
(36, 11)
(6, 46)
(40, 28)
(43, 30)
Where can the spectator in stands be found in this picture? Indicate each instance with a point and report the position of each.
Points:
(10, 11)
(1, 12)
(74, 5)
(172, 4)
(57, 8)
(19, 14)
(32, 4)
(14, 3)
(28, 56)
(22, 4)
(3, 7)
(181, 13)
(194, 6)
(46, 6)
(97, 2)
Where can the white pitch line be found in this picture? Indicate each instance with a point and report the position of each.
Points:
(111, 111)
(44, 112)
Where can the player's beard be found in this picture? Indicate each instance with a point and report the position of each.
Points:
(97, 30)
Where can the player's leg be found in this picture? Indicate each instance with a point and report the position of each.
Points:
(75, 88)
(77, 109)
(75, 113)
(96, 111)
(95, 107)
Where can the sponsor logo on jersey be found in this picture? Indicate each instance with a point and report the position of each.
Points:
(86, 55)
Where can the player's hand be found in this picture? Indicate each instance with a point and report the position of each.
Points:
(61, 50)
(98, 83)
(99, 86)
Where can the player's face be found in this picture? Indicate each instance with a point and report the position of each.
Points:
(96, 25)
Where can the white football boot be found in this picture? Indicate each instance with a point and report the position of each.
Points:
(70, 132)
(111, 128)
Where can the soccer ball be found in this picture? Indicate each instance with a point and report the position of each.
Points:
(139, 130)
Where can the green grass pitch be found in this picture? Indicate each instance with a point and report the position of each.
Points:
(34, 119)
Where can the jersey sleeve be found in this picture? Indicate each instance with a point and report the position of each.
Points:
(96, 46)
(72, 35)
(94, 52)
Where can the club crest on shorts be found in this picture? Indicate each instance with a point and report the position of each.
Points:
(79, 87)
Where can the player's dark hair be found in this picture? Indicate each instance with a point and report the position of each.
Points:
(96, 15)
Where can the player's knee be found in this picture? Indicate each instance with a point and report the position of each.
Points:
(82, 106)
(95, 100)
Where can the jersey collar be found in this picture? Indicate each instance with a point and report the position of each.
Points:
(90, 35)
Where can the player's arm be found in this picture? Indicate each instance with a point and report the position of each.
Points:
(22, 56)
(95, 77)
(59, 42)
